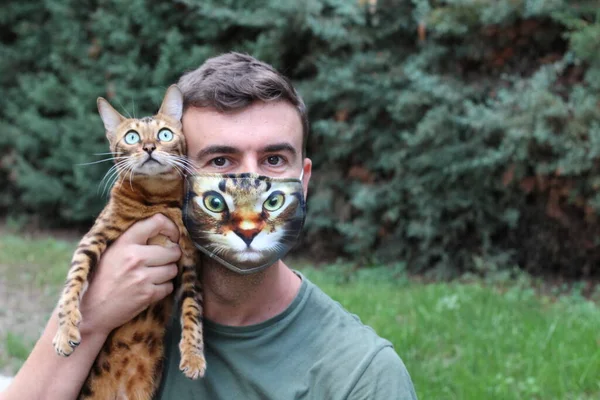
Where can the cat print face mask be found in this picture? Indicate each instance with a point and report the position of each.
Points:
(244, 221)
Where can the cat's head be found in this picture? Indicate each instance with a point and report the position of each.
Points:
(249, 218)
(150, 145)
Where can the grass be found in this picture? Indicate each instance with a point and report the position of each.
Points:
(43, 262)
(32, 272)
(16, 347)
(459, 340)
(473, 341)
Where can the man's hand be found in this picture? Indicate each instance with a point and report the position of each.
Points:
(131, 275)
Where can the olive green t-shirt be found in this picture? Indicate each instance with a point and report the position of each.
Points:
(315, 349)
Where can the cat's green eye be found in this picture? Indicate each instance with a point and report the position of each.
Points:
(165, 135)
(214, 202)
(132, 137)
(274, 202)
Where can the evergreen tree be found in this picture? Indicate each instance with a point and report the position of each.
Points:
(444, 133)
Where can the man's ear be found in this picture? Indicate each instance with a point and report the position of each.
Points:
(172, 104)
(111, 117)
(306, 173)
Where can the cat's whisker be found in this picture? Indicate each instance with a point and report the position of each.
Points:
(122, 168)
(131, 172)
(184, 168)
(176, 168)
(110, 181)
(185, 161)
(120, 181)
(130, 178)
(110, 152)
(123, 173)
(190, 171)
(108, 175)
(124, 109)
(100, 161)
(187, 168)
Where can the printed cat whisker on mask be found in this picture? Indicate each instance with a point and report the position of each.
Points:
(244, 221)
(276, 247)
(220, 249)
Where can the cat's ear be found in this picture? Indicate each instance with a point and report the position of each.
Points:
(110, 117)
(172, 104)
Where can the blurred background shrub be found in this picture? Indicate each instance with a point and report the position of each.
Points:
(444, 133)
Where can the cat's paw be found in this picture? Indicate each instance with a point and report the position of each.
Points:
(68, 336)
(193, 364)
(66, 339)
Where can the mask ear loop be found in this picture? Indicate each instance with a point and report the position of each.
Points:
(301, 174)
(186, 203)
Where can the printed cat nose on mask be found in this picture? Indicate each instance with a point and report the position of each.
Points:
(244, 221)
(248, 231)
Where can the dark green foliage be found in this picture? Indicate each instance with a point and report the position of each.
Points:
(443, 132)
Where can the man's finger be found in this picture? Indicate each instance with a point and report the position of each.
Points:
(143, 230)
(154, 255)
(161, 291)
(162, 274)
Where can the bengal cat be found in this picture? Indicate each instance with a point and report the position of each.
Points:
(150, 163)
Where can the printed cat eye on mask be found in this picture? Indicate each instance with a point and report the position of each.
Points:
(244, 221)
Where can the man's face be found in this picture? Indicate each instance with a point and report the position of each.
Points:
(265, 138)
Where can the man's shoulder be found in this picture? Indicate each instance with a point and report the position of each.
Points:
(350, 350)
(330, 314)
(340, 331)
(385, 378)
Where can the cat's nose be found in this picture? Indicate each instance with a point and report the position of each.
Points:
(149, 147)
(247, 235)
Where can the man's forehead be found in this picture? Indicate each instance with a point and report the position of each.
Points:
(259, 126)
(280, 147)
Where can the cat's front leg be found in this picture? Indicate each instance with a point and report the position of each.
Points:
(191, 345)
(84, 260)
(107, 229)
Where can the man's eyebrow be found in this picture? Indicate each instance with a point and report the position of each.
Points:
(216, 150)
(273, 148)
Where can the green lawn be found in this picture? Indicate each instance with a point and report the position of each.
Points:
(458, 340)
(473, 341)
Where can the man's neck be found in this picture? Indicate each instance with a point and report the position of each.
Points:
(240, 300)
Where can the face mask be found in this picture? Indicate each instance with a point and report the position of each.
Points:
(244, 221)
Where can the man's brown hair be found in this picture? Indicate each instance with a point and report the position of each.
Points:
(233, 81)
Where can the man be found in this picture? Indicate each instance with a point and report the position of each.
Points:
(270, 334)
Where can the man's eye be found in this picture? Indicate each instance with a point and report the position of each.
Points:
(274, 160)
(219, 161)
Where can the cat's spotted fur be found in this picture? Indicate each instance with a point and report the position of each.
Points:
(150, 181)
